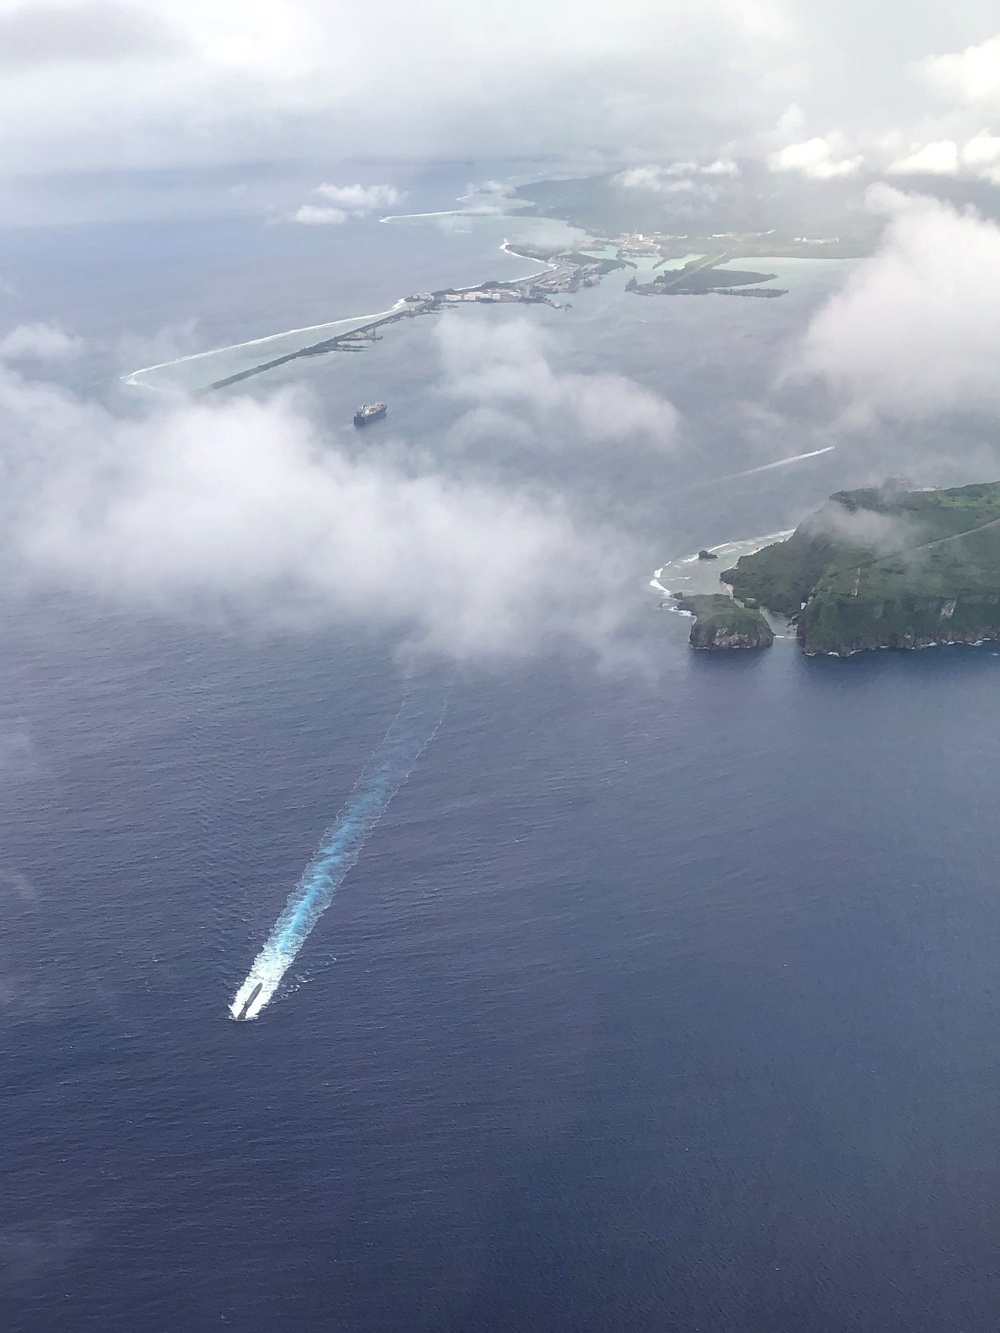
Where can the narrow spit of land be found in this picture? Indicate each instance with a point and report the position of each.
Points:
(342, 342)
(565, 271)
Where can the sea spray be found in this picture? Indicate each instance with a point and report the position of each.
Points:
(392, 762)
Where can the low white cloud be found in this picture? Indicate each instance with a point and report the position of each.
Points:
(982, 151)
(969, 150)
(360, 199)
(508, 366)
(977, 156)
(820, 158)
(548, 234)
(37, 342)
(934, 159)
(343, 202)
(315, 215)
(675, 177)
(722, 166)
(244, 507)
(883, 533)
(972, 75)
(916, 328)
(981, 156)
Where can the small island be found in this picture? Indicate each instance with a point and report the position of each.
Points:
(722, 623)
(703, 276)
(884, 567)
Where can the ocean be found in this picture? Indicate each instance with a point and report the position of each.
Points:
(659, 996)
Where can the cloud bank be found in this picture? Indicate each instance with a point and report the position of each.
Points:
(100, 84)
(915, 330)
(243, 507)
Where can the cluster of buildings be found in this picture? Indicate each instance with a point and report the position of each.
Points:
(565, 276)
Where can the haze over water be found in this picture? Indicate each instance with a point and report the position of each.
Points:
(659, 998)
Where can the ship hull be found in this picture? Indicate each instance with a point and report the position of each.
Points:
(366, 418)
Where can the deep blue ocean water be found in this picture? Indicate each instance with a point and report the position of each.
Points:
(660, 999)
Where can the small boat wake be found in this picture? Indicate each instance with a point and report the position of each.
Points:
(414, 727)
(753, 471)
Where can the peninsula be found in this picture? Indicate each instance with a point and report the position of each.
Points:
(886, 567)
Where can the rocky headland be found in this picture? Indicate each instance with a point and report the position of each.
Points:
(722, 624)
(886, 567)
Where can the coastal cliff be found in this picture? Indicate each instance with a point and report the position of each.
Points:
(885, 568)
(722, 624)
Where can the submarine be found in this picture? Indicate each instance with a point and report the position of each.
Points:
(253, 995)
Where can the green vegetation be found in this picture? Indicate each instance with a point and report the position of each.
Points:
(592, 262)
(885, 569)
(760, 214)
(546, 253)
(543, 253)
(723, 623)
(691, 281)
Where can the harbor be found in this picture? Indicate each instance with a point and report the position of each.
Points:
(566, 272)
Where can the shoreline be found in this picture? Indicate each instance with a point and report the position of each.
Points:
(359, 321)
(765, 540)
(357, 324)
(682, 588)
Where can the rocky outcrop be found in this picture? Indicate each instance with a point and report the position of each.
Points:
(723, 625)
(885, 568)
(715, 637)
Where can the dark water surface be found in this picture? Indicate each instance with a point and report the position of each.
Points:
(661, 1000)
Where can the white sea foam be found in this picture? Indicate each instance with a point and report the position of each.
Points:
(702, 576)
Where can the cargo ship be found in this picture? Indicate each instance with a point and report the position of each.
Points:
(369, 412)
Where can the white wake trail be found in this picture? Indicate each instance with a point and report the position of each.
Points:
(413, 729)
(752, 471)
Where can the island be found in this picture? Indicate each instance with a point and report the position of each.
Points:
(748, 211)
(703, 276)
(884, 567)
(722, 624)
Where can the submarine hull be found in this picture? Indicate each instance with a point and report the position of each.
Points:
(253, 995)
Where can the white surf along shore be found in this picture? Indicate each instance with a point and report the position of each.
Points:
(232, 358)
(691, 574)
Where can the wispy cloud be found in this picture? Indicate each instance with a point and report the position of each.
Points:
(38, 342)
(510, 366)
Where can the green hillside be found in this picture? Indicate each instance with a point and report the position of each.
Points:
(885, 569)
